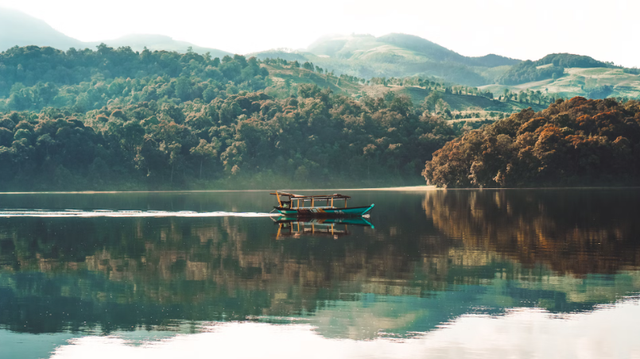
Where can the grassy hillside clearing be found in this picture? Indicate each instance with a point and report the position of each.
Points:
(579, 82)
(285, 79)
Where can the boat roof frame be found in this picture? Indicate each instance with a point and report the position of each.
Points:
(321, 197)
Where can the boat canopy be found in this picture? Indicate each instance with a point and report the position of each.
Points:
(301, 201)
(316, 197)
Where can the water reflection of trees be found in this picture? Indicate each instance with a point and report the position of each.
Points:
(119, 273)
(225, 250)
(572, 231)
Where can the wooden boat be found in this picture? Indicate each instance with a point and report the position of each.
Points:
(317, 227)
(290, 204)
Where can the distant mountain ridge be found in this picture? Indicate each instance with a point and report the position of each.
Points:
(20, 29)
(400, 55)
(366, 56)
(440, 53)
(364, 46)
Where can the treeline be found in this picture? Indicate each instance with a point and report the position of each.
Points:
(529, 71)
(571, 60)
(32, 78)
(248, 138)
(528, 96)
(426, 82)
(571, 143)
(30, 65)
(431, 84)
(389, 65)
(550, 66)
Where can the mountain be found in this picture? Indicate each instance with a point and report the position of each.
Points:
(394, 47)
(401, 55)
(138, 42)
(20, 29)
(435, 52)
(550, 66)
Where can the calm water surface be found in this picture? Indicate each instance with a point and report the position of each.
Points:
(437, 274)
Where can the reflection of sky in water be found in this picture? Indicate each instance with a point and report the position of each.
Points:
(608, 332)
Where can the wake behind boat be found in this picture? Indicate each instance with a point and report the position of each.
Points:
(290, 204)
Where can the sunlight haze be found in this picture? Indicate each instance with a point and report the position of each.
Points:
(517, 29)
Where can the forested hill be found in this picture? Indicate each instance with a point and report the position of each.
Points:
(247, 140)
(117, 119)
(578, 142)
(550, 66)
(32, 78)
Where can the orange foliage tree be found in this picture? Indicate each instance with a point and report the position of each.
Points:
(571, 143)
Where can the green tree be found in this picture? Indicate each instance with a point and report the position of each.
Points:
(205, 152)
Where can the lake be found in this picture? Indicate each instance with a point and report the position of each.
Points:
(431, 273)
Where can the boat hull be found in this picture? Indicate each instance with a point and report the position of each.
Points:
(325, 212)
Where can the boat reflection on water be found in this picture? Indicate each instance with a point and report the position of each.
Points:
(296, 227)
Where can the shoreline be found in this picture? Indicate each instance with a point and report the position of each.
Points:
(423, 188)
(406, 188)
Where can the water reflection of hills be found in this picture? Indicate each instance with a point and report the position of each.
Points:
(572, 231)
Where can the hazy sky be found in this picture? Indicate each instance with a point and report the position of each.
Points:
(606, 30)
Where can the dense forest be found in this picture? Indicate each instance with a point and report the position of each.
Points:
(117, 119)
(572, 143)
(252, 137)
(32, 77)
